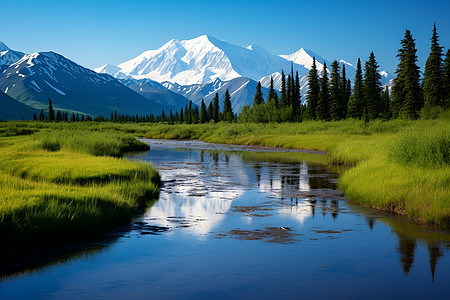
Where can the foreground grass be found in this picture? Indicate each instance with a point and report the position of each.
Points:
(399, 166)
(61, 181)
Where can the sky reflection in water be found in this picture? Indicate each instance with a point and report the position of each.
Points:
(253, 225)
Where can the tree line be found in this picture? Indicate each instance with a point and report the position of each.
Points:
(329, 98)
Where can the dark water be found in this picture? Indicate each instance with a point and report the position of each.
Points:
(233, 224)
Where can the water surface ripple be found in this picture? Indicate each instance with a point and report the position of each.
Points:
(231, 223)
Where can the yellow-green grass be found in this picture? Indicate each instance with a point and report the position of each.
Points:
(397, 165)
(69, 189)
(400, 166)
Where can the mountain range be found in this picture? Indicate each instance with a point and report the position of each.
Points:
(200, 67)
(32, 79)
(167, 78)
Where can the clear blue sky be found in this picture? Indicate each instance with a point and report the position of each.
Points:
(93, 33)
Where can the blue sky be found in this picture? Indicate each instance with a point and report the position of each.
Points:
(93, 33)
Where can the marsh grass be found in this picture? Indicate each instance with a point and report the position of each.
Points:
(62, 182)
(399, 166)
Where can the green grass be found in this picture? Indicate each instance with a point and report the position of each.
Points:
(64, 181)
(398, 166)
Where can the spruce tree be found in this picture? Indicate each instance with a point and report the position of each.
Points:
(386, 101)
(323, 105)
(345, 95)
(313, 91)
(335, 91)
(356, 103)
(51, 112)
(203, 113)
(181, 116)
(288, 99)
(258, 98)
(195, 115)
(271, 94)
(296, 100)
(35, 117)
(446, 81)
(58, 117)
(216, 108)
(406, 93)
(433, 77)
(283, 96)
(210, 111)
(372, 88)
(228, 115)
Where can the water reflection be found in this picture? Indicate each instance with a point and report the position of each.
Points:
(297, 188)
(208, 193)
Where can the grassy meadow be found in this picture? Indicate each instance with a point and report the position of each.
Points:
(69, 177)
(399, 166)
(63, 179)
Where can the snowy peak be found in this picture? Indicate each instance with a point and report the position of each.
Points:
(185, 62)
(304, 58)
(200, 61)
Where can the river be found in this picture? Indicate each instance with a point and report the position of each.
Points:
(235, 223)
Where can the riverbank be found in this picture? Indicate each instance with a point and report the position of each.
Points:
(61, 181)
(398, 166)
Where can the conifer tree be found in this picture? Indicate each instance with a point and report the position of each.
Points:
(228, 115)
(258, 98)
(406, 92)
(288, 99)
(181, 116)
(190, 118)
(313, 91)
(271, 94)
(348, 91)
(323, 105)
(283, 96)
(210, 111)
(372, 88)
(356, 103)
(51, 112)
(195, 115)
(216, 108)
(433, 76)
(345, 94)
(446, 81)
(335, 91)
(35, 117)
(296, 100)
(386, 101)
(203, 113)
(58, 117)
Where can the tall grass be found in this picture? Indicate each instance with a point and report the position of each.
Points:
(63, 181)
(399, 166)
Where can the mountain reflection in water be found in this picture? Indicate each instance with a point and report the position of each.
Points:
(246, 223)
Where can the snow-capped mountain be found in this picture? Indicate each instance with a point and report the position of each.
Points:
(241, 89)
(195, 65)
(200, 61)
(36, 77)
(8, 56)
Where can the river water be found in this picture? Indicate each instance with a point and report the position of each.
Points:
(232, 223)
